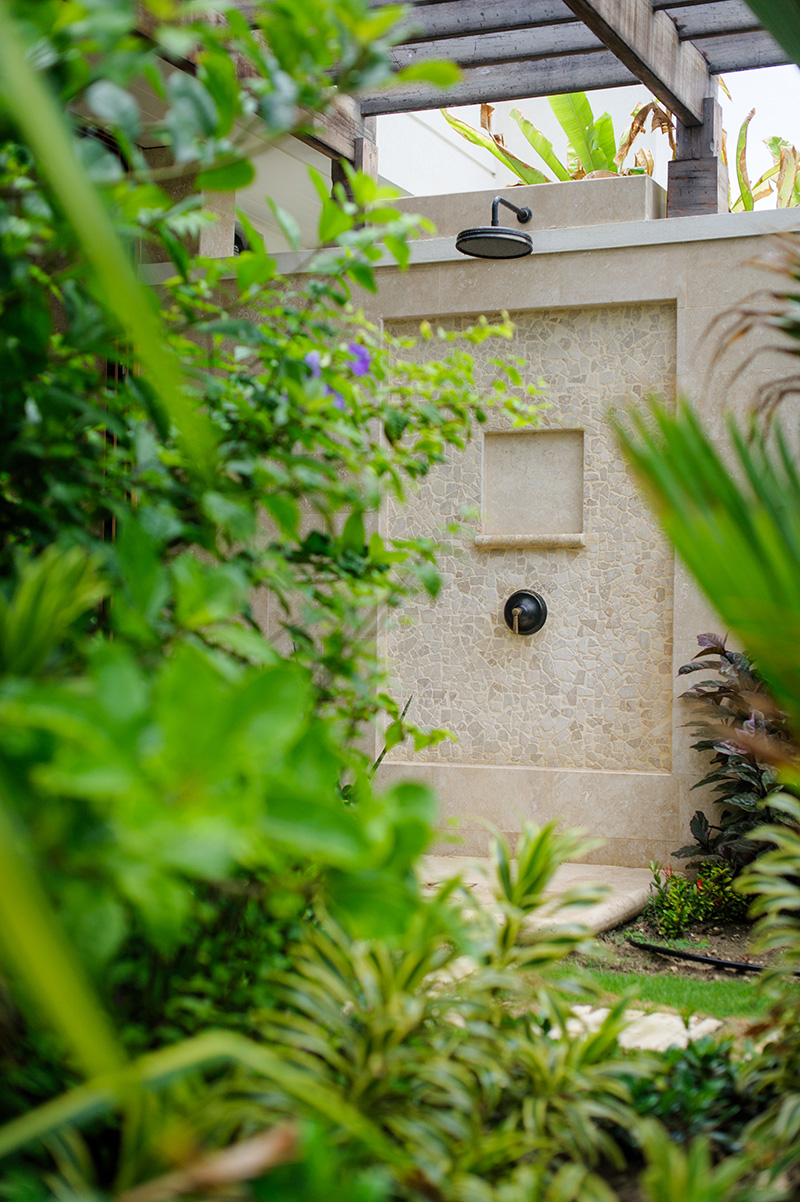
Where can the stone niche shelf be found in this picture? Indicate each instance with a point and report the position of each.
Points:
(547, 542)
(532, 490)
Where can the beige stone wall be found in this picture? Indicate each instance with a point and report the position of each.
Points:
(581, 721)
(593, 689)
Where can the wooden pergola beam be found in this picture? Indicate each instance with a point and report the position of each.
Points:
(647, 43)
(482, 49)
(455, 18)
(508, 81)
(703, 20)
(344, 132)
(742, 51)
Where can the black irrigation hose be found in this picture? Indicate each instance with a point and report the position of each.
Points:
(739, 965)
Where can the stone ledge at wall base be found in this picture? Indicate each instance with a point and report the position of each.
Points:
(636, 814)
(553, 206)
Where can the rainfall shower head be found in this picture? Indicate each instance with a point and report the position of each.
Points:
(497, 241)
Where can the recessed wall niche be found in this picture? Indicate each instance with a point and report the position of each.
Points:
(532, 489)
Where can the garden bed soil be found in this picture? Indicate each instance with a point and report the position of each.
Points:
(729, 941)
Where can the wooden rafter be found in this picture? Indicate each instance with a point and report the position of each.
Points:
(647, 42)
(513, 49)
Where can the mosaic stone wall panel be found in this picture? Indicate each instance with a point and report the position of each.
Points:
(593, 689)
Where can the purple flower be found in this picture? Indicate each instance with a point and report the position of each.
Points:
(362, 359)
(313, 359)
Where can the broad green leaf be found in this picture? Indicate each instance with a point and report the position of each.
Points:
(286, 512)
(322, 186)
(333, 221)
(113, 104)
(362, 274)
(394, 735)
(399, 250)
(206, 594)
(528, 174)
(229, 178)
(604, 131)
(541, 145)
(139, 555)
(235, 516)
(218, 73)
(574, 114)
(193, 113)
(352, 538)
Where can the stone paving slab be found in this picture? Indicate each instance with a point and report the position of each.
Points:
(629, 888)
(654, 1032)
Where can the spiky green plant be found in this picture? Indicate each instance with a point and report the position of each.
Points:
(591, 143)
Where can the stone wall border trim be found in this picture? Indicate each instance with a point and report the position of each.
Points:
(551, 542)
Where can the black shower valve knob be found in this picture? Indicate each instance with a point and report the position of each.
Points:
(525, 612)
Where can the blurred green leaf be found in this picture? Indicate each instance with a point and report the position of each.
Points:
(227, 178)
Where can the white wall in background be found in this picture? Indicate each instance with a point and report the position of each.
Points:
(282, 173)
(420, 154)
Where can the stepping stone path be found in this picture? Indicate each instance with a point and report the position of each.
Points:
(629, 889)
(654, 1032)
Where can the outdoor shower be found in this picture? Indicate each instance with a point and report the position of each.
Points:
(497, 241)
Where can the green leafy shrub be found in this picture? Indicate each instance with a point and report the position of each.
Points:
(676, 901)
(422, 1056)
(698, 1090)
(736, 720)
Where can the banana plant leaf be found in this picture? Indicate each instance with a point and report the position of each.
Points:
(787, 177)
(738, 532)
(524, 171)
(574, 114)
(542, 146)
(604, 132)
(745, 190)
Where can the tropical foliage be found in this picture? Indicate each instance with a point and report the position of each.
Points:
(676, 902)
(779, 180)
(737, 529)
(592, 145)
(736, 719)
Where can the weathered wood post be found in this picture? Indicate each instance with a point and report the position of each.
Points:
(697, 179)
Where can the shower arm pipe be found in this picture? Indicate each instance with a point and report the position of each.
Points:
(523, 215)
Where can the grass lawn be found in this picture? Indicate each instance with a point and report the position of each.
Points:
(735, 998)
